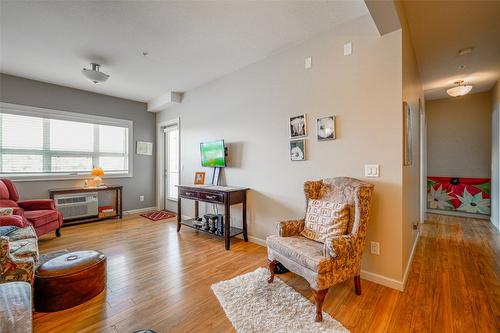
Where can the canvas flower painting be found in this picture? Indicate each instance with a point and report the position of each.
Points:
(468, 195)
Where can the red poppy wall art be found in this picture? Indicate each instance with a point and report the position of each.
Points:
(469, 195)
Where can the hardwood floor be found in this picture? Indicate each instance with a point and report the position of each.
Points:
(160, 279)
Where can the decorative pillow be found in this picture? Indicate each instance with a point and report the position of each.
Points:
(5, 230)
(325, 219)
(6, 211)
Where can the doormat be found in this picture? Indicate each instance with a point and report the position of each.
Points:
(158, 215)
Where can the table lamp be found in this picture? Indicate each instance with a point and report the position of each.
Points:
(97, 173)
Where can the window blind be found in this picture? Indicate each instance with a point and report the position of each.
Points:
(48, 143)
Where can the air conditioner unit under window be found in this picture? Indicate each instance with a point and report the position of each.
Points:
(77, 205)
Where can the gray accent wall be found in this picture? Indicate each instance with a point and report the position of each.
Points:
(23, 91)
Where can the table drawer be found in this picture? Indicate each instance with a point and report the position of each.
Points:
(212, 197)
(188, 194)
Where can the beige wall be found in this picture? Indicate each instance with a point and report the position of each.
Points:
(459, 136)
(250, 110)
(495, 156)
(413, 94)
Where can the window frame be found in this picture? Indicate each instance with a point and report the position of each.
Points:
(24, 110)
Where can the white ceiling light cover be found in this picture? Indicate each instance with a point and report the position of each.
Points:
(94, 74)
(459, 90)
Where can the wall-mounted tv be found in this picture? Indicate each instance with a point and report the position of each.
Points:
(213, 154)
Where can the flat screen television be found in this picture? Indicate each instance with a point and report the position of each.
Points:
(213, 154)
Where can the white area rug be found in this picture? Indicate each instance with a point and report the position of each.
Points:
(253, 305)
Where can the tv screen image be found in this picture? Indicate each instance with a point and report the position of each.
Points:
(212, 154)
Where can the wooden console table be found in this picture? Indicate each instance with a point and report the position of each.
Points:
(118, 189)
(222, 195)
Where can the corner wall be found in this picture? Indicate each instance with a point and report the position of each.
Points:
(413, 94)
(250, 110)
(22, 91)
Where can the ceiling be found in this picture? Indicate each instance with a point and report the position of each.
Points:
(189, 43)
(439, 29)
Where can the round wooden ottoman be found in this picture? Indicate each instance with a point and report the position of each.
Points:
(69, 279)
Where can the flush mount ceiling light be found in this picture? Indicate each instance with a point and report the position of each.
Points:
(459, 90)
(93, 74)
(465, 51)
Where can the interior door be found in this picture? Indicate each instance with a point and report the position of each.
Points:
(171, 166)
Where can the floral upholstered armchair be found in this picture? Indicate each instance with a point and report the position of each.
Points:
(19, 255)
(336, 259)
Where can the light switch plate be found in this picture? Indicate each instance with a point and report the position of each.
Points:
(372, 170)
(308, 63)
(348, 48)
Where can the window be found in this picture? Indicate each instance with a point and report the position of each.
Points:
(40, 143)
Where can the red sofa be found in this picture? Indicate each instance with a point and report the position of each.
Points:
(41, 213)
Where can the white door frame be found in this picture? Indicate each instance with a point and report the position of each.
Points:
(160, 158)
(423, 160)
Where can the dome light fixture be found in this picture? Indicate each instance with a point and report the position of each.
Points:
(460, 89)
(93, 74)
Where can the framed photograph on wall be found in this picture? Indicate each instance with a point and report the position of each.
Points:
(407, 135)
(144, 148)
(298, 150)
(298, 126)
(325, 128)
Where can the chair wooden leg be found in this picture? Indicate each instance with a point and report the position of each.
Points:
(58, 232)
(357, 284)
(319, 296)
(272, 266)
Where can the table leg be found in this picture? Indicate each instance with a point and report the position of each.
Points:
(179, 214)
(196, 209)
(227, 224)
(244, 212)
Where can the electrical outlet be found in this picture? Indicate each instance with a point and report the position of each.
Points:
(141, 198)
(375, 248)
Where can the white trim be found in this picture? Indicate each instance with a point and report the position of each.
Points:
(383, 280)
(254, 240)
(493, 222)
(390, 282)
(25, 110)
(160, 158)
(410, 260)
(139, 210)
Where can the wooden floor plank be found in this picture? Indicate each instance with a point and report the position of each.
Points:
(160, 279)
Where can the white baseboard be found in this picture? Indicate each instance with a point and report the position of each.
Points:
(390, 282)
(410, 261)
(139, 210)
(255, 240)
(383, 280)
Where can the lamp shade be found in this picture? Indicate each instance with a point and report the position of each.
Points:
(97, 172)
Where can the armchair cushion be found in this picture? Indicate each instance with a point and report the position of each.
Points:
(290, 228)
(12, 220)
(325, 219)
(303, 251)
(7, 202)
(41, 217)
(39, 204)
